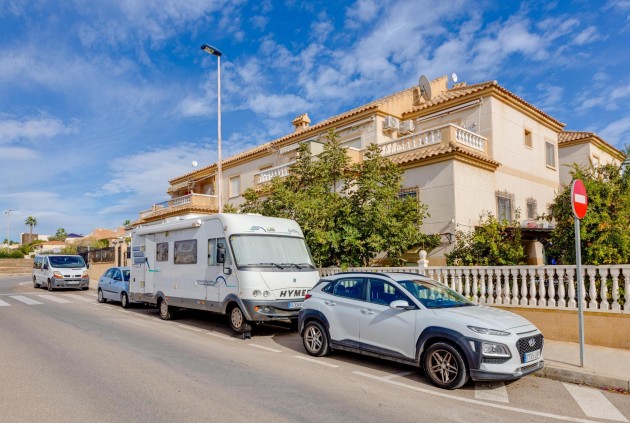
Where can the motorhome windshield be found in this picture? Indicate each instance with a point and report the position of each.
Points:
(66, 261)
(271, 251)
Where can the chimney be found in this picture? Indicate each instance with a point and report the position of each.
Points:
(301, 122)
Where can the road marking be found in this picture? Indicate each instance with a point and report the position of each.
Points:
(264, 348)
(402, 374)
(4, 304)
(25, 300)
(79, 297)
(54, 299)
(594, 403)
(472, 401)
(179, 325)
(312, 360)
(219, 335)
(491, 392)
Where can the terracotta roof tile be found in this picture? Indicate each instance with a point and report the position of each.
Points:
(435, 151)
(566, 136)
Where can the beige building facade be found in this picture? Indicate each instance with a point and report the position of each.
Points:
(465, 149)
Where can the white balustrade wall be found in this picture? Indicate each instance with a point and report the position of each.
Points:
(606, 288)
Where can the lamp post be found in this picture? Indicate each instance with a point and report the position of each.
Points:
(217, 53)
(8, 213)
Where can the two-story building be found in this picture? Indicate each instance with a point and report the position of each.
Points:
(465, 149)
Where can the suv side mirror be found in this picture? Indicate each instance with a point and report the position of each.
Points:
(45, 266)
(399, 305)
(220, 254)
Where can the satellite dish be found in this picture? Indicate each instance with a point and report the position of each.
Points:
(454, 77)
(425, 88)
(194, 163)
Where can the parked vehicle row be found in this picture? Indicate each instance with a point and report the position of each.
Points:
(60, 271)
(256, 269)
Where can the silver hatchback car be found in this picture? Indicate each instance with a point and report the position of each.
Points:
(114, 285)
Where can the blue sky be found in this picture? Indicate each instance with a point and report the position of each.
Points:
(102, 102)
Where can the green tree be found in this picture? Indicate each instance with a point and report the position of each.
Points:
(348, 213)
(491, 243)
(126, 223)
(605, 230)
(30, 221)
(60, 235)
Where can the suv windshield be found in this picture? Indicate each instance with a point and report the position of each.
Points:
(66, 261)
(434, 295)
(270, 251)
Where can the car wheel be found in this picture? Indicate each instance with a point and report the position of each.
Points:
(124, 300)
(166, 311)
(315, 339)
(444, 366)
(35, 284)
(238, 322)
(101, 297)
(50, 287)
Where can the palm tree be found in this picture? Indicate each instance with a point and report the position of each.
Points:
(31, 221)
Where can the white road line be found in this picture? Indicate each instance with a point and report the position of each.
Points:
(492, 392)
(54, 299)
(472, 401)
(219, 335)
(312, 360)
(402, 374)
(25, 300)
(79, 297)
(179, 325)
(264, 348)
(594, 403)
(3, 304)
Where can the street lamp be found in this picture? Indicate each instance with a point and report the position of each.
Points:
(8, 213)
(216, 52)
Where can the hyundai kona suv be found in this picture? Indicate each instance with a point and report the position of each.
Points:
(409, 318)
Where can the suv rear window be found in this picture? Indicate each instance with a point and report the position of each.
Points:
(349, 288)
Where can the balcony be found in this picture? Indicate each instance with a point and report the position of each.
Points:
(443, 134)
(181, 205)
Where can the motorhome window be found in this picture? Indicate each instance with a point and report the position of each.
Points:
(66, 261)
(212, 252)
(161, 251)
(270, 252)
(185, 252)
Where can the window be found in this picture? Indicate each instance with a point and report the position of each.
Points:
(212, 252)
(596, 162)
(527, 138)
(109, 273)
(550, 154)
(532, 208)
(235, 186)
(409, 192)
(349, 288)
(161, 251)
(381, 292)
(116, 275)
(505, 202)
(185, 252)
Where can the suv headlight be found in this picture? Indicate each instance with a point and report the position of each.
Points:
(494, 349)
(485, 331)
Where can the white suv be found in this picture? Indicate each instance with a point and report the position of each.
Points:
(409, 318)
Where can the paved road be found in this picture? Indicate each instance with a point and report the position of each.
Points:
(67, 358)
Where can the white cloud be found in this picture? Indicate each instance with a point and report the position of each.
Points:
(617, 132)
(32, 129)
(191, 107)
(18, 153)
(278, 105)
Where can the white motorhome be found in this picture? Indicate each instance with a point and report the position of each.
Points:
(252, 268)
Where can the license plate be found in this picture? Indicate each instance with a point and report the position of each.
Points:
(296, 305)
(531, 356)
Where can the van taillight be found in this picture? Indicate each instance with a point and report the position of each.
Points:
(307, 296)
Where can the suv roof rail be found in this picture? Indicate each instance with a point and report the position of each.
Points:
(373, 273)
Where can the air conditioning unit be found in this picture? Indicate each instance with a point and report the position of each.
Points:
(406, 127)
(390, 123)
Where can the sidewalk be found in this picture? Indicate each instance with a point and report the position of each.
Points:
(603, 367)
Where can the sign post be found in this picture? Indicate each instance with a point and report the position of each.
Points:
(579, 203)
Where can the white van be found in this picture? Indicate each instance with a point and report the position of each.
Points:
(60, 271)
(252, 268)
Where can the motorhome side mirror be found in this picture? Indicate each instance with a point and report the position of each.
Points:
(220, 254)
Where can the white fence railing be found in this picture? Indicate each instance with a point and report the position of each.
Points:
(606, 288)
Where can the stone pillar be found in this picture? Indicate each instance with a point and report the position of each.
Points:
(423, 263)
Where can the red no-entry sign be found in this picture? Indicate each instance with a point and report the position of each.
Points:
(579, 199)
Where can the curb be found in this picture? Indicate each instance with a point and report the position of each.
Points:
(584, 377)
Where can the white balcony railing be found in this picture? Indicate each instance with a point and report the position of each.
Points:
(196, 200)
(268, 174)
(605, 287)
(441, 134)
